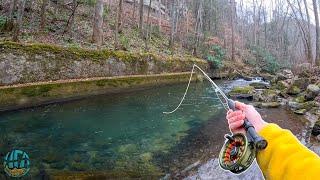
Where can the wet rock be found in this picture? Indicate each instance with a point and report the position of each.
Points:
(293, 90)
(300, 111)
(267, 104)
(267, 95)
(316, 129)
(300, 99)
(212, 170)
(245, 92)
(294, 105)
(259, 85)
(282, 85)
(312, 92)
(267, 76)
(301, 83)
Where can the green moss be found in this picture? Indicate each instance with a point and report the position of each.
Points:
(300, 99)
(41, 90)
(293, 90)
(37, 94)
(242, 90)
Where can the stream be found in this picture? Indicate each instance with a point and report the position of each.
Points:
(128, 135)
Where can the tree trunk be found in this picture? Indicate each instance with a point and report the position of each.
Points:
(43, 14)
(70, 22)
(17, 27)
(171, 41)
(97, 36)
(316, 16)
(141, 17)
(232, 30)
(149, 26)
(10, 22)
(309, 43)
(159, 16)
(118, 25)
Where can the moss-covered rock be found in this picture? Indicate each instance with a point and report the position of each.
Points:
(281, 85)
(28, 63)
(259, 85)
(293, 90)
(300, 99)
(242, 92)
(267, 104)
(312, 91)
(300, 111)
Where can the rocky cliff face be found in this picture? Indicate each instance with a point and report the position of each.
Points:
(38, 62)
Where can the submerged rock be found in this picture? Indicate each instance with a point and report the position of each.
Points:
(312, 92)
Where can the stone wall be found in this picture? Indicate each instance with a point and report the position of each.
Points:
(21, 63)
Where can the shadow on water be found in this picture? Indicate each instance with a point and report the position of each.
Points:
(202, 142)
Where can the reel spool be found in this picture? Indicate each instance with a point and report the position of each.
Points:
(237, 153)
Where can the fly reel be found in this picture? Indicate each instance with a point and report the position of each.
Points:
(237, 153)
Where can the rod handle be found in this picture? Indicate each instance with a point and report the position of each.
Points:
(259, 142)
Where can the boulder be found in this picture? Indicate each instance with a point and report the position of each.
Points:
(245, 92)
(293, 90)
(312, 92)
(288, 73)
(301, 83)
(267, 95)
(316, 129)
(300, 111)
(294, 105)
(259, 85)
(267, 76)
(300, 99)
(281, 85)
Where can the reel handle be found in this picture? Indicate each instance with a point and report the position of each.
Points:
(259, 142)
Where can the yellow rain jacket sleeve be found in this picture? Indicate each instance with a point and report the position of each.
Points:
(285, 157)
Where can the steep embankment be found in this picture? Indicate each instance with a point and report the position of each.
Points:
(33, 74)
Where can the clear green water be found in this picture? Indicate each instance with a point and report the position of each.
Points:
(123, 133)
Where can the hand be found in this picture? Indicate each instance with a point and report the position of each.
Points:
(236, 118)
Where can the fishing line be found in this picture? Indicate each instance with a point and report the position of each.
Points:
(216, 88)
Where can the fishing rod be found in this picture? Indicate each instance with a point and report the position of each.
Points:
(239, 150)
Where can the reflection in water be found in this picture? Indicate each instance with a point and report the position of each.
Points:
(122, 134)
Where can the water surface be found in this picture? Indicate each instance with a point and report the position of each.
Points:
(123, 134)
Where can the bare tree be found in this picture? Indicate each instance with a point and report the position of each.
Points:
(43, 14)
(232, 30)
(316, 16)
(97, 36)
(141, 17)
(18, 24)
(118, 24)
(149, 26)
(11, 11)
(70, 21)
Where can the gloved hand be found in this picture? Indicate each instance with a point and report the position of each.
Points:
(236, 118)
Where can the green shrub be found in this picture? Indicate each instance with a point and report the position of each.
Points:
(125, 42)
(3, 21)
(265, 60)
(216, 56)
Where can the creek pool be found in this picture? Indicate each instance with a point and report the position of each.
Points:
(119, 135)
